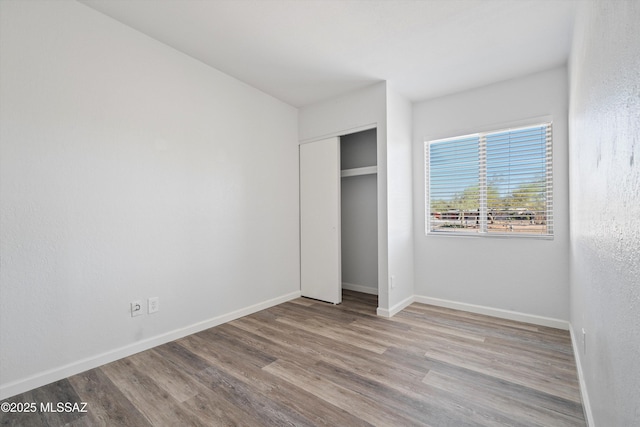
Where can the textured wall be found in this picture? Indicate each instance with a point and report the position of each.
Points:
(129, 170)
(605, 207)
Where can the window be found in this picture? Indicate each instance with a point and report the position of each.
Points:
(494, 183)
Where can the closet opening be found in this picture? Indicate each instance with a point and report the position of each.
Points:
(359, 214)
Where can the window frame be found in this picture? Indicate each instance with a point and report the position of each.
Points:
(482, 183)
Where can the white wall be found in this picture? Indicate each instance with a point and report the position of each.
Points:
(129, 170)
(605, 209)
(359, 225)
(525, 276)
(365, 108)
(400, 200)
(346, 114)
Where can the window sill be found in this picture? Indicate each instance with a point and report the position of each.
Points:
(490, 235)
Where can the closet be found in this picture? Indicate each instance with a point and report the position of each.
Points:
(338, 216)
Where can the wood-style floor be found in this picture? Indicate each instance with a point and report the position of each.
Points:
(307, 363)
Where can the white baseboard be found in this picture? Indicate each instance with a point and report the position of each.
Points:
(396, 308)
(360, 288)
(586, 404)
(49, 376)
(495, 312)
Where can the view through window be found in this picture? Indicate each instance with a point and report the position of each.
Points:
(491, 183)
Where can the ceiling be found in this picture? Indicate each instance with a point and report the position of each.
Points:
(305, 51)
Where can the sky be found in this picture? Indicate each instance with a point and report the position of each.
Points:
(513, 157)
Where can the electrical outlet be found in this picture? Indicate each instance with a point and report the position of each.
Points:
(584, 342)
(392, 281)
(136, 308)
(153, 304)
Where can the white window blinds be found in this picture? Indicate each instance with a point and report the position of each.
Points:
(491, 183)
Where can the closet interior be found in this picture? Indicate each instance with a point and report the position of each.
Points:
(359, 211)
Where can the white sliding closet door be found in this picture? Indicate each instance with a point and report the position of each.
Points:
(320, 267)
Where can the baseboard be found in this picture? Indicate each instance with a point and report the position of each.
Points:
(496, 312)
(586, 404)
(49, 376)
(360, 288)
(396, 308)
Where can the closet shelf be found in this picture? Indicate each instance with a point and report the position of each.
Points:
(368, 170)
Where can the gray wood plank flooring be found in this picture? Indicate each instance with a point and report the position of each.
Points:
(308, 363)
